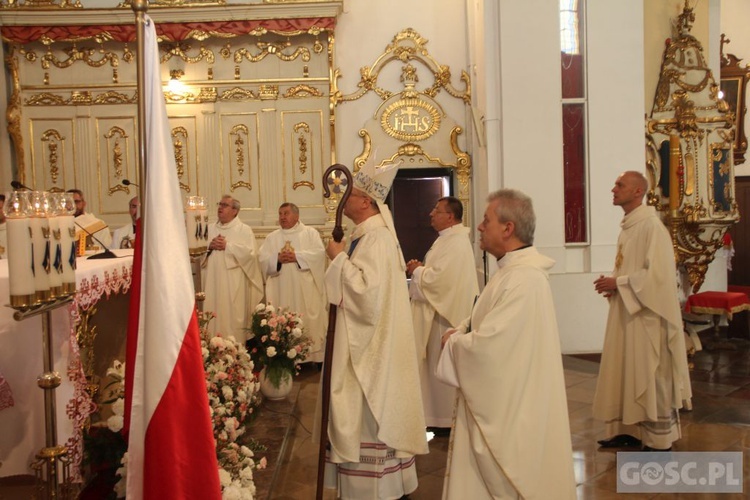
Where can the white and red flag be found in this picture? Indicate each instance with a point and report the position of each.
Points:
(171, 448)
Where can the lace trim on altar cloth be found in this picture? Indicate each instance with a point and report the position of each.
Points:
(81, 406)
(6, 395)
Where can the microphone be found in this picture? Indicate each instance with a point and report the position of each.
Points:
(126, 182)
(17, 185)
(106, 254)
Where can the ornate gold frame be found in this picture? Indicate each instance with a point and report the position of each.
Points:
(410, 124)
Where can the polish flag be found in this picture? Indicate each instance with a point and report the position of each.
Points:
(171, 448)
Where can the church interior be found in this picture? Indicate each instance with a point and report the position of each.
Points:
(555, 98)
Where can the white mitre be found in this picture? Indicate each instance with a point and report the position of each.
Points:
(376, 181)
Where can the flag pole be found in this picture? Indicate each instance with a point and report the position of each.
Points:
(140, 7)
(337, 234)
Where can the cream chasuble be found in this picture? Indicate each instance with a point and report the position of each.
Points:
(511, 435)
(298, 285)
(374, 360)
(232, 278)
(442, 295)
(643, 376)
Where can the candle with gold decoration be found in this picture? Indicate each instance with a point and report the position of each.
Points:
(674, 177)
(196, 224)
(20, 273)
(67, 224)
(40, 240)
(55, 241)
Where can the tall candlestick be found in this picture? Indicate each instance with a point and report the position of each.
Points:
(674, 177)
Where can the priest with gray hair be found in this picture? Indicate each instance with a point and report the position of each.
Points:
(233, 282)
(511, 436)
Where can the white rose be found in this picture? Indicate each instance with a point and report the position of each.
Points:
(291, 353)
(260, 307)
(225, 478)
(227, 392)
(115, 422)
(263, 322)
(269, 308)
(246, 451)
(271, 352)
(118, 407)
(246, 474)
(299, 322)
(297, 332)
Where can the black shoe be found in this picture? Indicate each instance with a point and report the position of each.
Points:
(620, 441)
(648, 448)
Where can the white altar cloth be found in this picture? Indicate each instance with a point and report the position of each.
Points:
(22, 426)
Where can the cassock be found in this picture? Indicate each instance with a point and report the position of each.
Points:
(511, 436)
(87, 221)
(298, 285)
(376, 421)
(643, 375)
(442, 295)
(233, 282)
(123, 237)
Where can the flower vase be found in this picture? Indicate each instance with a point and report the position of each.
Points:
(276, 392)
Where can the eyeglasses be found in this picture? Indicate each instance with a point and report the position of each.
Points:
(223, 205)
(77, 201)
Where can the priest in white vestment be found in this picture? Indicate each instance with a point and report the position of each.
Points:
(376, 424)
(643, 377)
(232, 277)
(99, 234)
(293, 261)
(124, 237)
(442, 291)
(511, 436)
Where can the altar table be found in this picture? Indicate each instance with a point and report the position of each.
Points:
(22, 426)
(717, 304)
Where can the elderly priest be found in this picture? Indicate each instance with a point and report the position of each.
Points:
(233, 282)
(293, 261)
(377, 423)
(511, 437)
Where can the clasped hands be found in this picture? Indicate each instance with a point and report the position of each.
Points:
(605, 285)
(412, 265)
(218, 243)
(287, 256)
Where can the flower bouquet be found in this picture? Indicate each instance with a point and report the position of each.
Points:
(233, 398)
(279, 343)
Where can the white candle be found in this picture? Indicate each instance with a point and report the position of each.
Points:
(41, 255)
(196, 220)
(56, 265)
(20, 275)
(68, 246)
